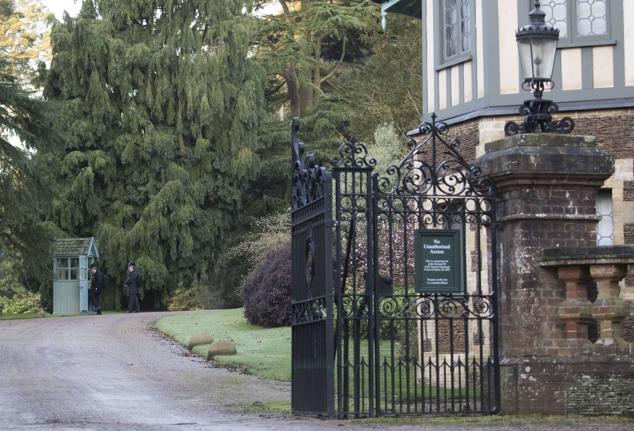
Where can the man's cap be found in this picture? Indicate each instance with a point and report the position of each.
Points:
(131, 263)
(93, 265)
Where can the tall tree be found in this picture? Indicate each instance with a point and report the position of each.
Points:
(386, 87)
(304, 49)
(24, 182)
(24, 36)
(295, 40)
(161, 101)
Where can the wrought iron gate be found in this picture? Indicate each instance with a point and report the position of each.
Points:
(397, 349)
(312, 285)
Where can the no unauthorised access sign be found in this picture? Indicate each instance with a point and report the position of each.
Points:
(438, 261)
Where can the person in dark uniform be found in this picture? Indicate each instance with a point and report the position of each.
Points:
(132, 284)
(97, 285)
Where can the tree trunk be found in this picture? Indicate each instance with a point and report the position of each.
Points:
(306, 81)
(293, 91)
(317, 72)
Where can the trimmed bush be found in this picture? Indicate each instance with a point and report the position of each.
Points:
(221, 348)
(266, 292)
(198, 339)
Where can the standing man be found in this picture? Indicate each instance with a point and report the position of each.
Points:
(97, 285)
(133, 283)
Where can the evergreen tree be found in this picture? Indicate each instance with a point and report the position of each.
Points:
(304, 50)
(386, 87)
(24, 184)
(24, 36)
(161, 101)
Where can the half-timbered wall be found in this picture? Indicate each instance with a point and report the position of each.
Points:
(590, 73)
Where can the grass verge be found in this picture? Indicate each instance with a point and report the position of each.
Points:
(264, 352)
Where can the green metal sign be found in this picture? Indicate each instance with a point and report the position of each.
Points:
(439, 262)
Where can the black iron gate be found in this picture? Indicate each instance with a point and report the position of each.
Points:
(397, 349)
(312, 284)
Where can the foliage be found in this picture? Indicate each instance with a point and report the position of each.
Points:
(265, 352)
(161, 102)
(266, 292)
(387, 148)
(221, 288)
(14, 298)
(185, 299)
(344, 78)
(304, 47)
(22, 302)
(265, 234)
(386, 87)
(25, 186)
(24, 36)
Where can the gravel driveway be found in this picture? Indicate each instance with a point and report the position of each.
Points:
(114, 372)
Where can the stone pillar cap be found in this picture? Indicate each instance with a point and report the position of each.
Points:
(540, 140)
(600, 255)
(546, 157)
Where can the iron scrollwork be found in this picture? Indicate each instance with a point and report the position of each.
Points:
(434, 167)
(353, 154)
(308, 311)
(427, 307)
(309, 177)
(538, 114)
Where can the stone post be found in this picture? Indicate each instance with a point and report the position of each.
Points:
(547, 188)
(575, 310)
(609, 309)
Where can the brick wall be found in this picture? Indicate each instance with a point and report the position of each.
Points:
(547, 386)
(613, 130)
(469, 136)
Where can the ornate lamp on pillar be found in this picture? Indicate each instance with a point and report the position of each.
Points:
(537, 43)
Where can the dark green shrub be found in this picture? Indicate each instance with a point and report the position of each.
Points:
(266, 292)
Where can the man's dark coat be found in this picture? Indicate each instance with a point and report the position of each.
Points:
(98, 282)
(133, 282)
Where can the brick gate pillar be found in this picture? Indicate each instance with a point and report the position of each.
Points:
(547, 189)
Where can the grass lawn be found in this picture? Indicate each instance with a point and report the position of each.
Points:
(263, 352)
(267, 353)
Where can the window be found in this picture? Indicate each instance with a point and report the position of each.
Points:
(457, 20)
(67, 268)
(579, 21)
(605, 227)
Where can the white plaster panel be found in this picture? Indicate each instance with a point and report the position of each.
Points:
(603, 66)
(571, 76)
(480, 49)
(455, 85)
(509, 57)
(442, 89)
(628, 41)
(431, 70)
(468, 86)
